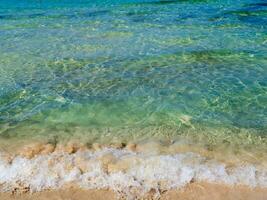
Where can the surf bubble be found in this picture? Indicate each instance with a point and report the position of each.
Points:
(130, 174)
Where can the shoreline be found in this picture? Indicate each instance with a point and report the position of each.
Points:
(130, 170)
(222, 151)
(193, 191)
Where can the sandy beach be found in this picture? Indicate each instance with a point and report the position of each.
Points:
(135, 171)
(193, 191)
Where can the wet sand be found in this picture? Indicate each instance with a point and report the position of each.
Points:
(193, 191)
(226, 154)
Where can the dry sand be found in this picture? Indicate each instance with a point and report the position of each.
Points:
(194, 191)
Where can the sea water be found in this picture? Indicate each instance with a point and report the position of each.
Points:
(188, 71)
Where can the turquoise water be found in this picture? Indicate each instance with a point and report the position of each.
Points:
(133, 69)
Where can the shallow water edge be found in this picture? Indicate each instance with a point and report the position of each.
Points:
(129, 169)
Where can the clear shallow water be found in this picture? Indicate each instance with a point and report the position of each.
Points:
(133, 69)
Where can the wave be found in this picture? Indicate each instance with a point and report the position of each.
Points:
(130, 174)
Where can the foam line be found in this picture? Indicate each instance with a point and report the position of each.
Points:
(128, 173)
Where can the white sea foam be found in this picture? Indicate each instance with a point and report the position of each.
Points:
(126, 172)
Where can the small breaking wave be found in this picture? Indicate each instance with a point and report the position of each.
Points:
(128, 173)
